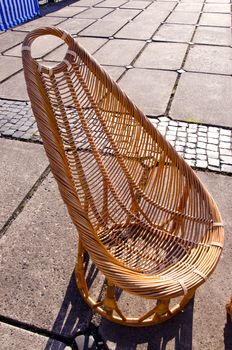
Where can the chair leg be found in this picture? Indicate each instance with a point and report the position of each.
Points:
(108, 307)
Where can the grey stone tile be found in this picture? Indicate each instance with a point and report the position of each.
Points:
(10, 39)
(90, 44)
(112, 3)
(183, 17)
(74, 25)
(14, 88)
(38, 261)
(154, 90)
(11, 65)
(174, 32)
(118, 52)
(196, 1)
(136, 4)
(209, 59)
(152, 15)
(162, 6)
(94, 12)
(213, 36)
(84, 3)
(13, 338)
(215, 19)
(67, 11)
(114, 72)
(224, 8)
(201, 97)
(40, 47)
(218, 1)
(122, 14)
(162, 55)
(104, 28)
(39, 22)
(227, 168)
(130, 30)
(17, 173)
(188, 7)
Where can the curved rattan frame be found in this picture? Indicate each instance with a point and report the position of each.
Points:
(142, 214)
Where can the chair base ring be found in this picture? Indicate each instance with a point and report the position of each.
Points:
(161, 311)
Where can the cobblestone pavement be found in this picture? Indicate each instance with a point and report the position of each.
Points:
(202, 146)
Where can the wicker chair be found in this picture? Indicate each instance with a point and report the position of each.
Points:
(142, 214)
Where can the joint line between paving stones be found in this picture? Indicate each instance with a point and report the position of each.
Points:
(23, 203)
(36, 330)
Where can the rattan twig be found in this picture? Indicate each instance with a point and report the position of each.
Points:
(142, 214)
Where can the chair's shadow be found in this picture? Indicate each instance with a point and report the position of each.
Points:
(74, 316)
(228, 334)
(175, 334)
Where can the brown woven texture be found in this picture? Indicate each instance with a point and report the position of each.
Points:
(142, 214)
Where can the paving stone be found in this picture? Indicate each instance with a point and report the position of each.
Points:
(225, 138)
(114, 72)
(213, 36)
(152, 15)
(67, 11)
(17, 173)
(112, 3)
(215, 19)
(201, 156)
(74, 26)
(189, 7)
(40, 47)
(226, 168)
(162, 56)
(137, 4)
(225, 151)
(225, 145)
(190, 162)
(104, 28)
(94, 12)
(85, 3)
(10, 39)
(224, 8)
(130, 30)
(119, 52)
(162, 6)
(211, 147)
(200, 150)
(225, 132)
(213, 162)
(11, 65)
(209, 59)
(174, 32)
(39, 22)
(183, 17)
(122, 14)
(90, 44)
(226, 159)
(213, 141)
(13, 338)
(39, 255)
(154, 92)
(202, 96)
(14, 88)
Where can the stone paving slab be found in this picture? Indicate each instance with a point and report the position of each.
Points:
(94, 12)
(188, 7)
(215, 19)
(162, 56)
(114, 71)
(209, 59)
(10, 39)
(104, 28)
(224, 8)
(10, 66)
(203, 324)
(130, 30)
(75, 26)
(154, 90)
(13, 338)
(36, 23)
(111, 3)
(122, 14)
(201, 97)
(90, 44)
(183, 17)
(119, 52)
(16, 184)
(213, 36)
(38, 257)
(67, 12)
(14, 88)
(174, 32)
(137, 4)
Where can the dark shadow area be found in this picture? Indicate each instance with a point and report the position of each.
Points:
(177, 330)
(50, 7)
(74, 316)
(228, 334)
